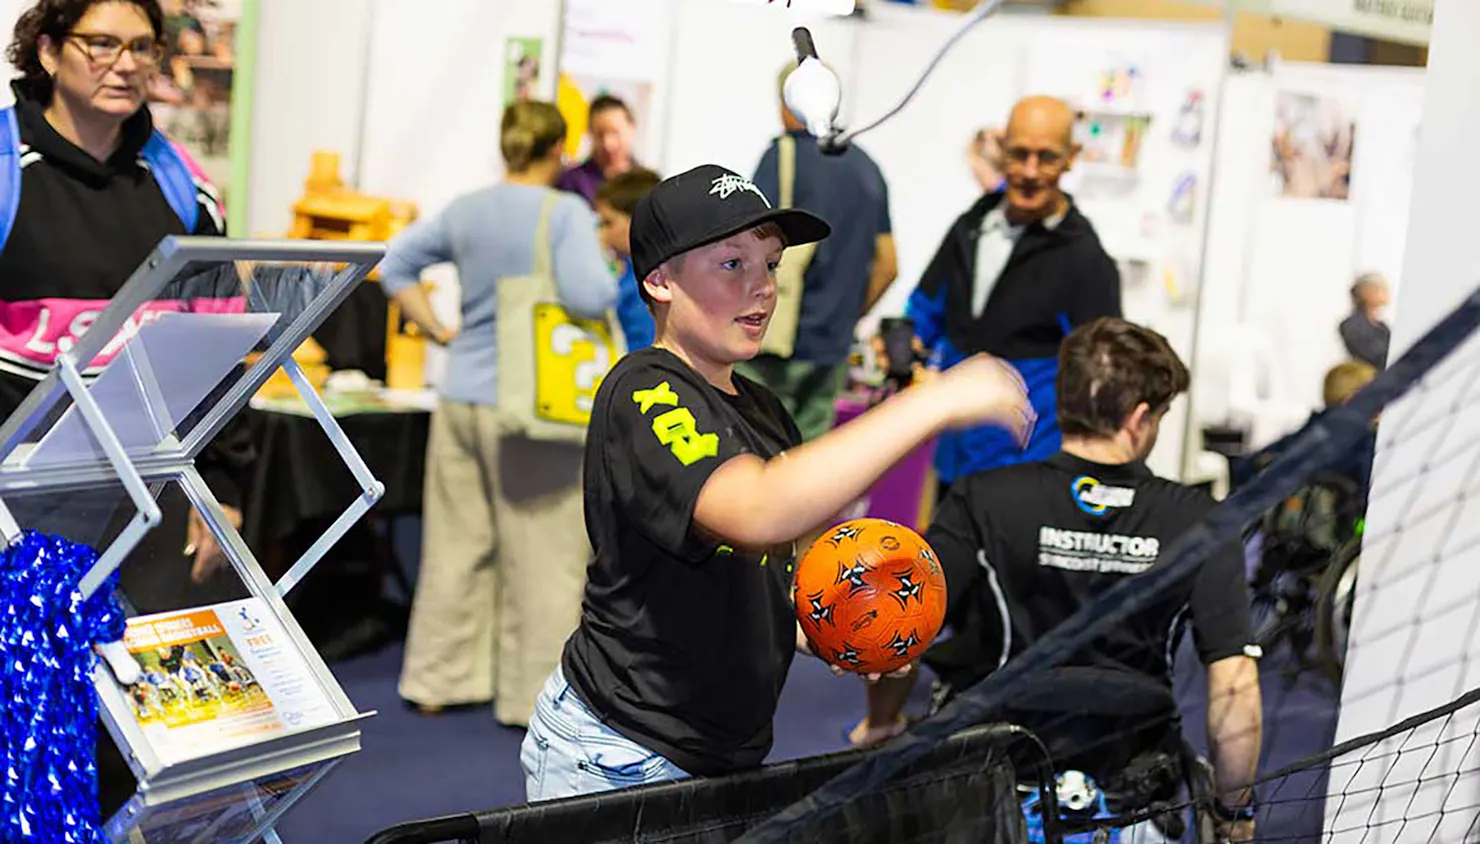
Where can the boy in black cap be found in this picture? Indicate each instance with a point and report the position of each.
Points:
(697, 490)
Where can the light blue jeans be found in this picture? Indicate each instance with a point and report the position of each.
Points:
(568, 751)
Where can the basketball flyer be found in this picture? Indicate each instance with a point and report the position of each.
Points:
(219, 676)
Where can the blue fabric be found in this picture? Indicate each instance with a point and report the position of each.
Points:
(928, 311)
(50, 789)
(568, 751)
(849, 192)
(10, 173)
(170, 172)
(488, 235)
(174, 178)
(1145, 832)
(632, 312)
(963, 452)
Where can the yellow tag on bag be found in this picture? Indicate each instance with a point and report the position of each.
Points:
(571, 358)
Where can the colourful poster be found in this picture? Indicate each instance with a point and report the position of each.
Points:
(201, 96)
(1311, 152)
(523, 60)
(217, 677)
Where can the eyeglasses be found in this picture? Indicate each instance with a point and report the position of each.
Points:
(1048, 159)
(108, 49)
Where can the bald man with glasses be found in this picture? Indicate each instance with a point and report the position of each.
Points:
(1015, 274)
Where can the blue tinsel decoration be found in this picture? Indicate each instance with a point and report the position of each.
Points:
(49, 713)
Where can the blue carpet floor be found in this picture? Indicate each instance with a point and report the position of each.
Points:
(415, 767)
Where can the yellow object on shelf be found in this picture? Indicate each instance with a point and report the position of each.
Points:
(311, 358)
(329, 210)
(405, 352)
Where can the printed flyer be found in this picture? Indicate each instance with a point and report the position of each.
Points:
(217, 677)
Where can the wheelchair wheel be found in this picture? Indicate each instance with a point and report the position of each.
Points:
(1335, 601)
(1197, 772)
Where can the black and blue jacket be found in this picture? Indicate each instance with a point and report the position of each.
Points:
(1057, 278)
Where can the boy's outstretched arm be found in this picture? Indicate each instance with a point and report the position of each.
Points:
(756, 502)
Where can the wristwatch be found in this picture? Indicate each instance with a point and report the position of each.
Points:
(1234, 814)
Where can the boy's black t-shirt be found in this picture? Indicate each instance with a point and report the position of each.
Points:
(684, 641)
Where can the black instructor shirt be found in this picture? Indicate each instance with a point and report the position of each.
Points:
(1025, 547)
(684, 641)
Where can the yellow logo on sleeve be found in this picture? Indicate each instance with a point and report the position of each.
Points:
(677, 428)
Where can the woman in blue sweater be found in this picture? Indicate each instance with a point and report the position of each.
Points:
(503, 549)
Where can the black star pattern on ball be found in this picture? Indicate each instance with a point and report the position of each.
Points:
(848, 655)
(908, 589)
(853, 576)
(901, 645)
(820, 613)
(929, 557)
(843, 533)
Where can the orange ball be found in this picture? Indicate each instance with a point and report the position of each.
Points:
(870, 596)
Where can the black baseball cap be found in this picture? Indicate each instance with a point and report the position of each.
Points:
(703, 205)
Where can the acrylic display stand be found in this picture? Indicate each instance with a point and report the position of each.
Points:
(136, 394)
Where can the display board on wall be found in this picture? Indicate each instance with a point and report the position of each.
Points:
(615, 47)
(202, 96)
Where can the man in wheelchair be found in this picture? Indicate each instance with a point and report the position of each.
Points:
(1025, 547)
(1310, 542)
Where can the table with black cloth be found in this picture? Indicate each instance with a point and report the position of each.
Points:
(353, 336)
(299, 485)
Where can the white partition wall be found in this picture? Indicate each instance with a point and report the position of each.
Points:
(1280, 268)
(435, 93)
(1413, 643)
(921, 150)
(720, 99)
(309, 95)
(434, 98)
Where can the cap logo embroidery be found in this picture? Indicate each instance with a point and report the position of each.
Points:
(724, 186)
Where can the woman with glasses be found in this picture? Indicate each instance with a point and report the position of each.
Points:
(88, 188)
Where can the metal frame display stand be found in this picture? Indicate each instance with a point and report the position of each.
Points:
(287, 764)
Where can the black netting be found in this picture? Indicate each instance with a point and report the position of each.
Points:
(1378, 607)
(1382, 604)
(962, 791)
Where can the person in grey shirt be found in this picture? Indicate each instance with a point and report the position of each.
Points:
(503, 548)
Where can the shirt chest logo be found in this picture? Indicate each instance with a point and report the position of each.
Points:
(1096, 498)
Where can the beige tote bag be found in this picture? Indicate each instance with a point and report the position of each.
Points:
(781, 335)
(549, 363)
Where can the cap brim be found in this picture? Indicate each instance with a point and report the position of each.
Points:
(797, 226)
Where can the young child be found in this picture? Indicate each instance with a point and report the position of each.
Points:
(616, 202)
(696, 492)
